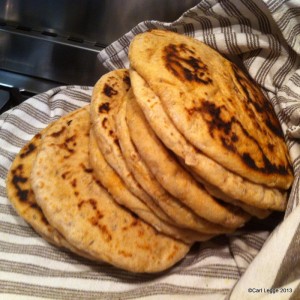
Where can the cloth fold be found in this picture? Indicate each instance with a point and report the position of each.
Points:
(263, 38)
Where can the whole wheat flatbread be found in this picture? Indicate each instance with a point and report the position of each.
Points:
(214, 105)
(173, 177)
(231, 187)
(108, 94)
(215, 192)
(20, 194)
(115, 186)
(176, 210)
(80, 208)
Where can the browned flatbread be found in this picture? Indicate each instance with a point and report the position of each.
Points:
(20, 194)
(103, 125)
(222, 183)
(80, 208)
(173, 177)
(216, 192)
(175, 209)
(111, 168)
(214, 105)
(115, 186)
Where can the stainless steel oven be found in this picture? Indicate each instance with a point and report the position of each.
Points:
(46, 43)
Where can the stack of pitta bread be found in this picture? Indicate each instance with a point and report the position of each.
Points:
(181, 148)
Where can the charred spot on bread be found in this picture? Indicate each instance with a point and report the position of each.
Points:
(28, 150)
(254, 99)
(86, 169)
(184, 64)
(126, 79)
(17, 180)
(228, 130)
(104, 108)
(104, 123)
(59, 132)
(109, 91)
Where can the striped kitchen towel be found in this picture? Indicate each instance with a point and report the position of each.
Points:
(258, 263)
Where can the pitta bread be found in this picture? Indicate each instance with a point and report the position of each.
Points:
(20, 194)
(115, 186)
(231, 187)
(176, 210)
(215, 192)
(173, 177)
(80, 208)
(214, 105)
(104, 107)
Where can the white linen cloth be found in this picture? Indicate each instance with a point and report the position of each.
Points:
(260, 262)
